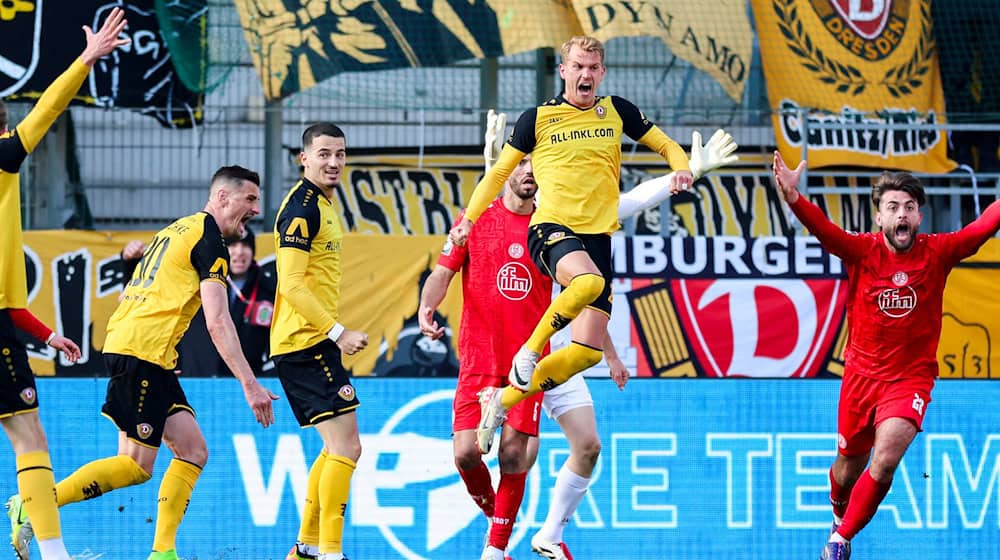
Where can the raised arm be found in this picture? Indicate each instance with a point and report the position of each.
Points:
(966, 241)
(834, 239)
(57, 96)
(716, 153)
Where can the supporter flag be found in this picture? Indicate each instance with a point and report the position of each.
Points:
(296, 48)
(850, 63)
(43, 37)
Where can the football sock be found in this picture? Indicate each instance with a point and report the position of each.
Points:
(35, 483)
(510, 492)
(554, 369)
(334, 489)
(309, 527)
(175, 494)
(99, 477)
(839, 497)
(865, 498)
(582, 290)
(53, 549)
(568, 492)
(480, 486)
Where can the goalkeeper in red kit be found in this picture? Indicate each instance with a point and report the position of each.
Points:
(896, 280)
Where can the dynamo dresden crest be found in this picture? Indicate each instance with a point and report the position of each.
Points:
(871, 29)
(19, 58)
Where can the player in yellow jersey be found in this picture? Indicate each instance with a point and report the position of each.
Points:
(307, 340)
(18, 400)
(575, 144)
(183, 268)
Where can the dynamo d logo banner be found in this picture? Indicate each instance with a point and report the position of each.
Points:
(854, 62)
(736, 307)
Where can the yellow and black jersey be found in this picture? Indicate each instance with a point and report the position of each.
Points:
(308, 237)
(165, 290)
(15, 145)
(576, 156)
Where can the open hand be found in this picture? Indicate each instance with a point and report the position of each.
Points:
(716, 153)
(106, 39)
(785, 179)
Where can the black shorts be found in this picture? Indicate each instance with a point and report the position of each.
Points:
(141, 396)
(316, 384)
(548, 243)
(17, 382)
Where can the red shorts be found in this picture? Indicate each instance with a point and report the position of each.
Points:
(524, 417)
(865, 402)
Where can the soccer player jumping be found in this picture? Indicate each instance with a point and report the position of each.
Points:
(896, 281)
(575, 142)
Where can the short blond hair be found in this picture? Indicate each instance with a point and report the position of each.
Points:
(586, 43)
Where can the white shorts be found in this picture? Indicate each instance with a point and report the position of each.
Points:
(563, 398)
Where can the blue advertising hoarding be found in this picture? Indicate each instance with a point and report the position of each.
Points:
(691, 469)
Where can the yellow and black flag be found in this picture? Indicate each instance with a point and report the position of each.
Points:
(296, 47)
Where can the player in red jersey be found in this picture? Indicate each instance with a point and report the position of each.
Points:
(896, 281)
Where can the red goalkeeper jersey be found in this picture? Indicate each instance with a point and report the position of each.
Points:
(504, 293)
(894, 300)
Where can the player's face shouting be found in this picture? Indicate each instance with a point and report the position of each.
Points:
(582, 71)
(324, 161)
(242, 204)
(899, 217)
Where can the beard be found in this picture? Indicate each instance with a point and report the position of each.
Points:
(897, 244)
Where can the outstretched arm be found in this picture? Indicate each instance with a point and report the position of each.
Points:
(969, 239)
(58, 95)
(830, 235)
(717, 152)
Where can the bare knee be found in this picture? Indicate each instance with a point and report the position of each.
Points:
(513, 459)
(883, 468)
(467, 459)
(589, 450)
(193, 451)
(353, 451)
(847, 469)
(25, 433)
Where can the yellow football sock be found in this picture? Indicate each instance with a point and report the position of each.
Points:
(35, 484)
(334, 489)
(99, 477)
(309, 529)
(175, 494)
(581, 292)
(554, 369)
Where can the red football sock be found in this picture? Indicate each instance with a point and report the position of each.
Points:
(480, 487)
(839, 496)
(509, 496)
(865, 498)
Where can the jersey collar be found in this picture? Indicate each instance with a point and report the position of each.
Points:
(597, 101)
